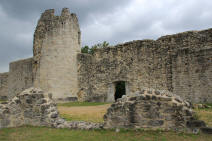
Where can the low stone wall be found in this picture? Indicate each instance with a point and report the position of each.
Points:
(33, 107)
(149, 109)
(145, 109)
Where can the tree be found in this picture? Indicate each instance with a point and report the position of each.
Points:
(105, 44)
(85, 49)
(91, 50)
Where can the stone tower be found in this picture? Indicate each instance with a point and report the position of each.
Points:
(56, 44)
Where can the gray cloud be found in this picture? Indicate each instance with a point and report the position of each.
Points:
(26, 9)
(144, 19)
(19, 18)
(115, 21)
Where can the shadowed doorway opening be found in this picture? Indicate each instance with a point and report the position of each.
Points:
(120, 89)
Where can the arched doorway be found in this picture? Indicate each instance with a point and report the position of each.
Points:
(120, 89)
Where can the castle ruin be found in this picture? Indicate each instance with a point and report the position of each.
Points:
(180, 63)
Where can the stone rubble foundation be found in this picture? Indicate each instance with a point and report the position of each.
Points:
(34, 107)
(150, 109)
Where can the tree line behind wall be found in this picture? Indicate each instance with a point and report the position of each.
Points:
(92, 49)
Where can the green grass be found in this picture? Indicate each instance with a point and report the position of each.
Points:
(3, 101)
(50, 134)
(70, 118)
(205, 114)
(82, 118)
(209, 104)
(29, 133)
(91, 113)
(76, 104)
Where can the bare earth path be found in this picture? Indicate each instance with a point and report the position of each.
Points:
(85, 113)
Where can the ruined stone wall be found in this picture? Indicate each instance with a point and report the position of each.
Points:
(56, 44)
(138, 63)
(150, 109)
(4, 85)
(190, 64)
(180, 63)
(37, 108)
(84, 73)
(20, 76)
(192, 75)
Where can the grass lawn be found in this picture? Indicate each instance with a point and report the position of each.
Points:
(92, 112)
(205, 115)
(78, 104)
(49, 134)
(1, 101)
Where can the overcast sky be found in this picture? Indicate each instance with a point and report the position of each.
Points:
(115, 21)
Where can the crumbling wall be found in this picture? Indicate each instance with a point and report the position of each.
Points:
(57, 41)
(190, 39)
(4, 86)
(84, 73)
(192, 75)
(150, 109)
(180, 63)
(20, 76)
(37, 108)
(190, 64)
(138, 63)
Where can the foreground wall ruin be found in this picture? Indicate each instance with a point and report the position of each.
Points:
(149, 108)
(37, 108)
(180, 63)
(146, 109)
